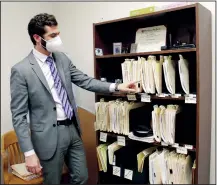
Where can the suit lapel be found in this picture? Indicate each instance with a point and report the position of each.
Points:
(36, 68)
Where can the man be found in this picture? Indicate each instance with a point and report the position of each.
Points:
(41, 85)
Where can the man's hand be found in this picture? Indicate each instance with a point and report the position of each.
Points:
(33, 164)
(127, 87)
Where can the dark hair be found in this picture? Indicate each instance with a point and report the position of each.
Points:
(37, 24)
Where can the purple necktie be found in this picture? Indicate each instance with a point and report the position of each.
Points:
(59, 88)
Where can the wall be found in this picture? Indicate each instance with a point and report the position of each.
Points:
(78, 40)
(15, 45)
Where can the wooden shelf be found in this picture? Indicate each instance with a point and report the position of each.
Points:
(148, 53)
(146, 15)
(114, 135)
(138, 96)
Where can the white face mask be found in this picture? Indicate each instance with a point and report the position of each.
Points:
(54, 45)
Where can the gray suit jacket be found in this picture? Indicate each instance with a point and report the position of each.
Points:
(30, 93)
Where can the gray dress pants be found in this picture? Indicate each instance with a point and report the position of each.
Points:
(71, 150)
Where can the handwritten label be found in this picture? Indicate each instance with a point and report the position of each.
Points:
(145, 98)
(182, 150)
(175, 95)
(128, 174)
(175, 145)
(163, 143)
(192, 95)
(103, 137)
(190, 147)
(116, 171)
(162, 95)
(131, 97)
(121, 140)
(189, 99)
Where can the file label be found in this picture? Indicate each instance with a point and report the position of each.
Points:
(175, 145)
(163, 143)
(103, 137)
(128, 174)
(176, 95)
(162, 95)
(116, 171)
(189, 99)
(131, 97)
(182, 150)
(145, 98)
(190, 147)
(121, 141)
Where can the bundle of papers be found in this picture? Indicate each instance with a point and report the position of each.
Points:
(111, 149)
(148, 82)
(150, 73)
(131, 72)
(102, 157)
(184, 74)
(20, 171)
(113, 116)
(169, 74)
(164, 122)
(170, 168)
(142, 156)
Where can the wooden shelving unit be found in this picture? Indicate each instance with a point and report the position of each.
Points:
(138, 96)
(164, 52)
(196, 124)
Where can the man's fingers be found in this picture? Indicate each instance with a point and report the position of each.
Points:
(33, 170)
(131, 90)
(40, 173)
(28, 169)
(38, 170)
(134, 82)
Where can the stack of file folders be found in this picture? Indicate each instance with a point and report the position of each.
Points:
(164, 123)
(113, 116)
(131, 72)
(169, 167)
(150, 73)
(102, 157)
(151, 165)
(127, 158)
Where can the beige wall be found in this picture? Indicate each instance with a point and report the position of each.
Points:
(15, 45)
(75, 21)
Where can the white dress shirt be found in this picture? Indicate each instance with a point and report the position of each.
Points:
(41, 59)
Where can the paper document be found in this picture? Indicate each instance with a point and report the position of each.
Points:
(151, 38)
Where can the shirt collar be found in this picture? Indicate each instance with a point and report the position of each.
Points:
(42, 57)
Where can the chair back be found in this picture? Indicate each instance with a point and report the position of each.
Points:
(87, 120)
(11, 147)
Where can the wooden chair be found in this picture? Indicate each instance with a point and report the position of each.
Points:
(87, 120)
(12, 154)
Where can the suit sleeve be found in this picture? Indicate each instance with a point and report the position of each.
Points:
(84, 81)
(19, 109)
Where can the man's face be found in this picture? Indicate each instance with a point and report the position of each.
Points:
(50, 33)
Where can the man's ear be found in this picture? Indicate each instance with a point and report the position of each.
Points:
(37, 38)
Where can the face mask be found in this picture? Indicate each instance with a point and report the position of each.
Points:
(54, 45)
